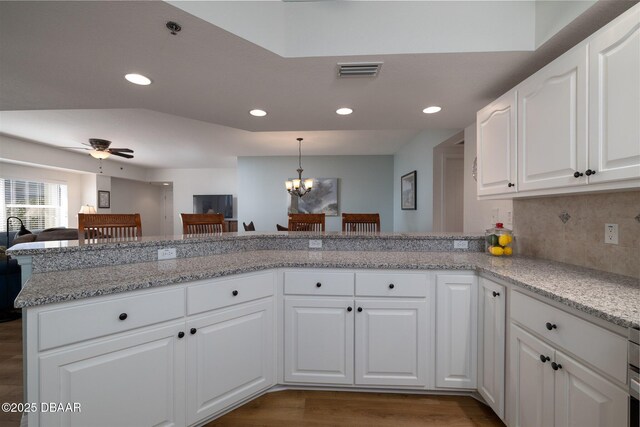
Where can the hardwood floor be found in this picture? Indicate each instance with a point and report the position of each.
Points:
(328, 408)
(292, 407)
(10, 369)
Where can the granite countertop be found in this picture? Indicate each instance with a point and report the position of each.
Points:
(608, 296)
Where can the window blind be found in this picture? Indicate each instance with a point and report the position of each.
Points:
(39, 205)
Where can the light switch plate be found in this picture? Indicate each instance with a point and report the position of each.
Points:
(315, 244)
(166, 253)
(611, 234)
(460, 244)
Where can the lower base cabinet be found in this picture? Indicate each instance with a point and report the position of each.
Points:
(549, 388)
(135, 380)
(230, 357)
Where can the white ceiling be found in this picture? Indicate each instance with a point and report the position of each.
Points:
(62, 66)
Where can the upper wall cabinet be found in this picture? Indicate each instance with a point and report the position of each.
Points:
(614, 104)
(552, 124)
(496, 130)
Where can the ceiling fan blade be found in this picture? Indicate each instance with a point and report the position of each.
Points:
(126, 156)
(76, 148)
(121, 150)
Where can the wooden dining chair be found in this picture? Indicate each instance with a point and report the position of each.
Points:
(306, 222)
(202, 223)
(361, 223)
(109, 226)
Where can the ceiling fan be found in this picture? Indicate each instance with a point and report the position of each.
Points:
(100, 149)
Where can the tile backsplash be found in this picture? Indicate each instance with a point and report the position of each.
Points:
(571, 229)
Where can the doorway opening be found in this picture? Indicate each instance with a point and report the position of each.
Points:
(448, 185)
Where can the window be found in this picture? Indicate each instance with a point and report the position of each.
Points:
(39, 205)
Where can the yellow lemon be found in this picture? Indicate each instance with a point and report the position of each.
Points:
(508, 251)
(504, 240)
(497, 251)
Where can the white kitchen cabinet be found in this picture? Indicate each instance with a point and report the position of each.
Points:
(531, 378)
(318, 340)
(491, 344)
(391, 342)
(134, 379)
(496, 146)
(614, 100)
(552, 124)
(230, 356)
(583, 398)
(456, 330)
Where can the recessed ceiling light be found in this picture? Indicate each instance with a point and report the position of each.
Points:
(165, 183)
(258, 113)
(432, 109)
(138, 79)
(344, 111)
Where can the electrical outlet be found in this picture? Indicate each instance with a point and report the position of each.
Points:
(509, 219)
(166, 253)
(460, 244)
(315, 244)
(611, 234)
(495, 216)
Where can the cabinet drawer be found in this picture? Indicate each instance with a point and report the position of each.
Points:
(391, 284)
(225, 292)
(317, 282)
(92, 320)
(593, 344)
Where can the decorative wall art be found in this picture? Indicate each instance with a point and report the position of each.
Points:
(408, 191)
(104, 199)
(322, 199)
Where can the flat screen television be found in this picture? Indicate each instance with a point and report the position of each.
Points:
(214, 203)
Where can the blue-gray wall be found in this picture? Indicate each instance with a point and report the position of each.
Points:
(365, 184)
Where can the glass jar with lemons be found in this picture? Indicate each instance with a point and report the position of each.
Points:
(498, 241)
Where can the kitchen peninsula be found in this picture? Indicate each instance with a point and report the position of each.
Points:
(239, 314)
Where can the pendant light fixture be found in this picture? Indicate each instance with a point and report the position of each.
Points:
(299, 187)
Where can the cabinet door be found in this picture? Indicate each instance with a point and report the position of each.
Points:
(318, 340)
(135, 379)
(391, 342)
(614, 91)
(531, 381)
(456, 331)
(585, 399)
(552, 124)
(496, 146)
(491, 349)
(230, 356)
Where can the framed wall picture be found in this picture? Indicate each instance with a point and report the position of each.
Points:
(408, 191)
(104, 199)
(322, 199)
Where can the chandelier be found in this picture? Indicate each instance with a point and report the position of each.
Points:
(299, 187)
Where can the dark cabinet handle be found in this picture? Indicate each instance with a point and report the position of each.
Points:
(391, 286)
(349, 309)
(589, 172)
(511, 185)
(122, 316)
(234, 293)
(359, 309)
(555, 366)
(544, 358)
(180, 334)
(496, 294)
(318, 284)
(193, 331)
(551, 326)
(578, 174)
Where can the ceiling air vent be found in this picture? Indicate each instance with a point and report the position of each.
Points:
(359, 69)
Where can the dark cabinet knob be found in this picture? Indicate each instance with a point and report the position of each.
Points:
(234, 293)
(496, 294)
(555, 366)
(578, 174)
(180, 334)
(551, 326)
(391, 286)
(349, 309)
(359, 309)
(122, 316)
(511, 185)
(544, 358)
(193, 331)
(318, 284)
(589, 172)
